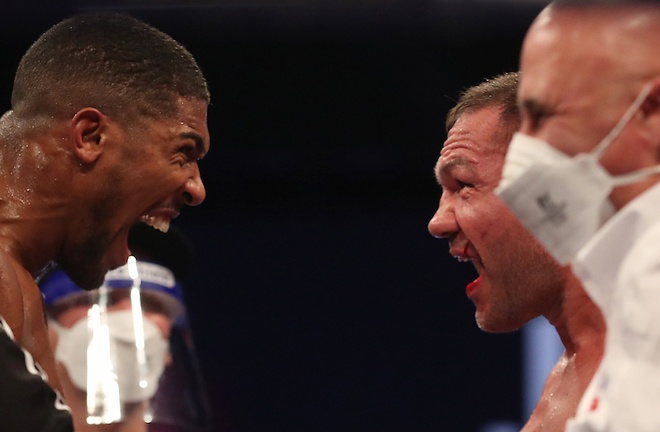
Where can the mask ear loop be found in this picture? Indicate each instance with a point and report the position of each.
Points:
(624, 179)
(625, 119)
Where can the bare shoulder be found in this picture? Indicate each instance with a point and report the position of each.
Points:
(11, 294)
(556, 404)
(561, 394)
(21, 305)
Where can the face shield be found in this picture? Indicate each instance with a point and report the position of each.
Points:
(125, 350)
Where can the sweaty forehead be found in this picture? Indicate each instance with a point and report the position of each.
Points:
(480, 131)
(476, 141)
(193, 118)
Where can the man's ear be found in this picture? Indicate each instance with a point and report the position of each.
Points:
(88, 134)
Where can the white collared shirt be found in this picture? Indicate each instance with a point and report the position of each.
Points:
(620, 270)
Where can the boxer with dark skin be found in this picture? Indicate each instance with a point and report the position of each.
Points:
(107, 123)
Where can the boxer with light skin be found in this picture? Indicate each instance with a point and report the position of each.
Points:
(517, 279)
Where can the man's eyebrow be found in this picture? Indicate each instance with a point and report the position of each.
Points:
(446, 167)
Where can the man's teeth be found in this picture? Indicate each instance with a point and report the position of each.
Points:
(159, 223)
(462, 259)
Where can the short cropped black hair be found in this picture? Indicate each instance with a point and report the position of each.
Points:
(109, 61)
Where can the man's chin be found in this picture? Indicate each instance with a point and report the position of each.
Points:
(490, 325)
(86, 278)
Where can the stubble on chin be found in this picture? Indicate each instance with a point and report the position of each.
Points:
(521, 293)
(85, 265)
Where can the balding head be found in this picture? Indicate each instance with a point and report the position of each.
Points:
(582, 66)
(625, 32)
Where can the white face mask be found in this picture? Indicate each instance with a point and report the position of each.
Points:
(112, 352)
(563, 200)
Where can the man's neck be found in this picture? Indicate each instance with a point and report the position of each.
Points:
(578, 320)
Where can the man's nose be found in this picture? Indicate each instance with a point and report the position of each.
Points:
(193, 190)
(443, 223)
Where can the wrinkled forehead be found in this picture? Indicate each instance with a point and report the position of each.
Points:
(477, 142)
(481, 130)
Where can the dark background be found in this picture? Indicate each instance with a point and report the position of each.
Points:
(319, 301)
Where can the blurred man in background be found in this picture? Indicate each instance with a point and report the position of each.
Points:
(124, 352)
(583, 175)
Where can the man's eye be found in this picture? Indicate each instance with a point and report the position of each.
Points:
(453, 185)
(186, 154)
(186, 149)
(533, 117)
(463, 185)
